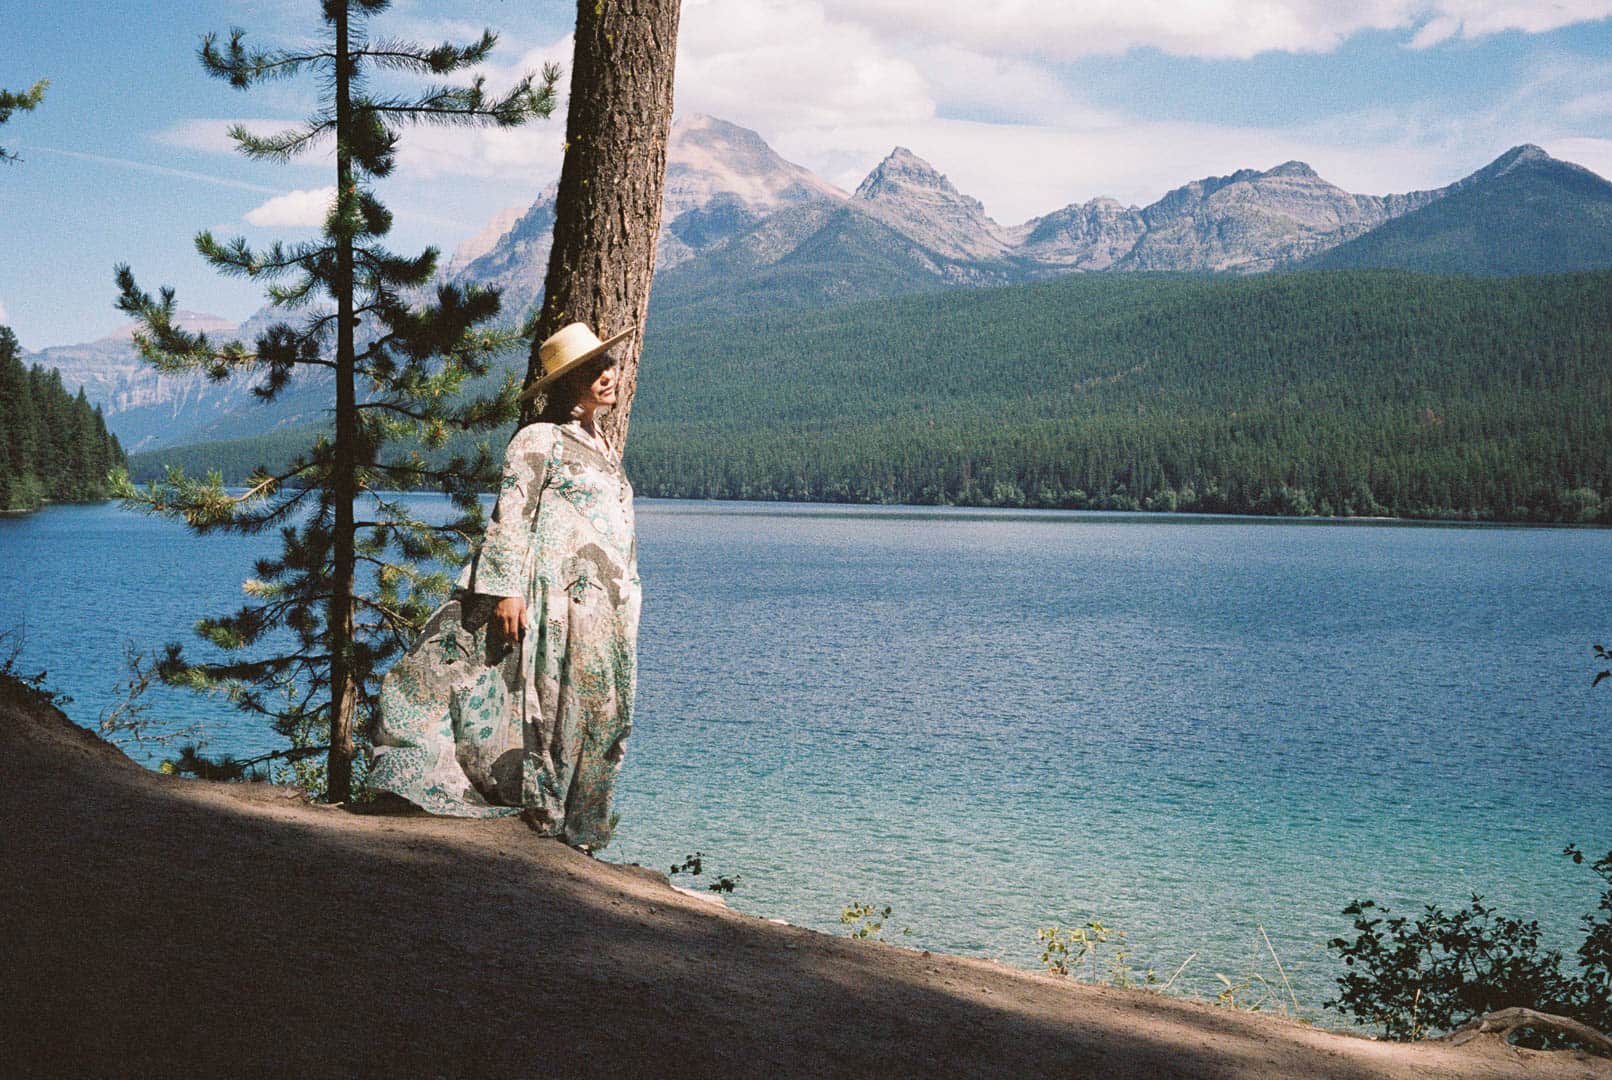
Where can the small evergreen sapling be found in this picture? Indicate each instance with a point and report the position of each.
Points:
(358, 572)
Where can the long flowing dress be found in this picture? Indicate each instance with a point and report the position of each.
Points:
(471, 725)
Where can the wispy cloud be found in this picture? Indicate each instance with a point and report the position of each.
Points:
(160, 170)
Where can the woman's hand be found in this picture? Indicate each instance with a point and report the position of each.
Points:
(510, 617)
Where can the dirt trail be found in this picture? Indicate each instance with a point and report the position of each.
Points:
(162, 926)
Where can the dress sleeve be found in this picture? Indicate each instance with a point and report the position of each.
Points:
(500, 567)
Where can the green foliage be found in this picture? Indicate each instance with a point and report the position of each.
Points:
(1448, 967)
(13, 101)
(694, 865)
(1412, 978)
(1065, 949)
(867, 921)
(358, 573)
(1595, 954)
(53, 445)
(1346, 394)
(30, 688)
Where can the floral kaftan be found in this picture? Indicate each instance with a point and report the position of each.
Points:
(471, 725)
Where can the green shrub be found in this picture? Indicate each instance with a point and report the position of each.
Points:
(1413, 978)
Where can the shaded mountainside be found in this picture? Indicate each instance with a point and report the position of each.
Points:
(1357, 393)
(1526, 213)
(178, 926)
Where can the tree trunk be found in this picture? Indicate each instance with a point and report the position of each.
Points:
(344, 488)
(607, 210)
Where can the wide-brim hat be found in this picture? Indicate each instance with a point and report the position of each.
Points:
(568, 347)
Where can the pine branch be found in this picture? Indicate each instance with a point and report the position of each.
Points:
(470, 104)
(12, 101)
(168, 347)
(22, 100)
(241, 67)
(447, 57)
(283, 145)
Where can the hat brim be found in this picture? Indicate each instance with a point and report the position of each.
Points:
(575, 362)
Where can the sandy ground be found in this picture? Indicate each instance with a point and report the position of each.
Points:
(154, 926)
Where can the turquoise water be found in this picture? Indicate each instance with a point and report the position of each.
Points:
(994, 721)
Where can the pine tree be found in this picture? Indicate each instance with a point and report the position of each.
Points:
(17, 423)
(12, 101)
(413, 362)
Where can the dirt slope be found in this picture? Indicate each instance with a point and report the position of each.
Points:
(159, 926)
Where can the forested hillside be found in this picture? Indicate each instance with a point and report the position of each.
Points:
(1526, 213)
(52, 445)
(1342, 393)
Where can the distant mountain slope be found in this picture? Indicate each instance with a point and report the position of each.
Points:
(141, 406)
(1527, 213)
(745, 232)
(721, 179)
(1252, 221)
(1346, 393)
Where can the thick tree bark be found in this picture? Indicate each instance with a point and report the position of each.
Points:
(607, 210)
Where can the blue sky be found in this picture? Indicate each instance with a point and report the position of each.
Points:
(1027, 106)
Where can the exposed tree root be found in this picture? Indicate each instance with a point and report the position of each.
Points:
(1503, 1022)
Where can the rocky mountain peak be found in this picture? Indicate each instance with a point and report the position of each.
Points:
(901, 172)
(706, 157)
(1515, 158)
(911, 195)
(1527, 156)
(1524, 153)
(1296, 169)
(483, 242)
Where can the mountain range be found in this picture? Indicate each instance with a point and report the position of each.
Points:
(744, 230)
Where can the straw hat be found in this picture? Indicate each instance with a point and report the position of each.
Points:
(565, 349)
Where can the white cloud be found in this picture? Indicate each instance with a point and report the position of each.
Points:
(1199, 28)
(835, 84)
(771, 64)
(301, 208)
(977, 90)
(5, 317)
(1480, 18)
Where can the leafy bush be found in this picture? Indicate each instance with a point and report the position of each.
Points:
(694, 865)
(1412, 978)
(867, 921)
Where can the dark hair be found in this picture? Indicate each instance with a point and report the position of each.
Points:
(563, 393)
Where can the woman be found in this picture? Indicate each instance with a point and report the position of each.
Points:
(517, 696)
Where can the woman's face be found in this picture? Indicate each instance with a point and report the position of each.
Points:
(599, 383)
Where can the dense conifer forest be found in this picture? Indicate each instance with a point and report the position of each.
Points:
(53, 446)
(1343, 393)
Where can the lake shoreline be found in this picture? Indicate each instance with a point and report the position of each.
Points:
(1031, 513)
(190, 918)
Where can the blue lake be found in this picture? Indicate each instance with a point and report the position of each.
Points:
(992, 721)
